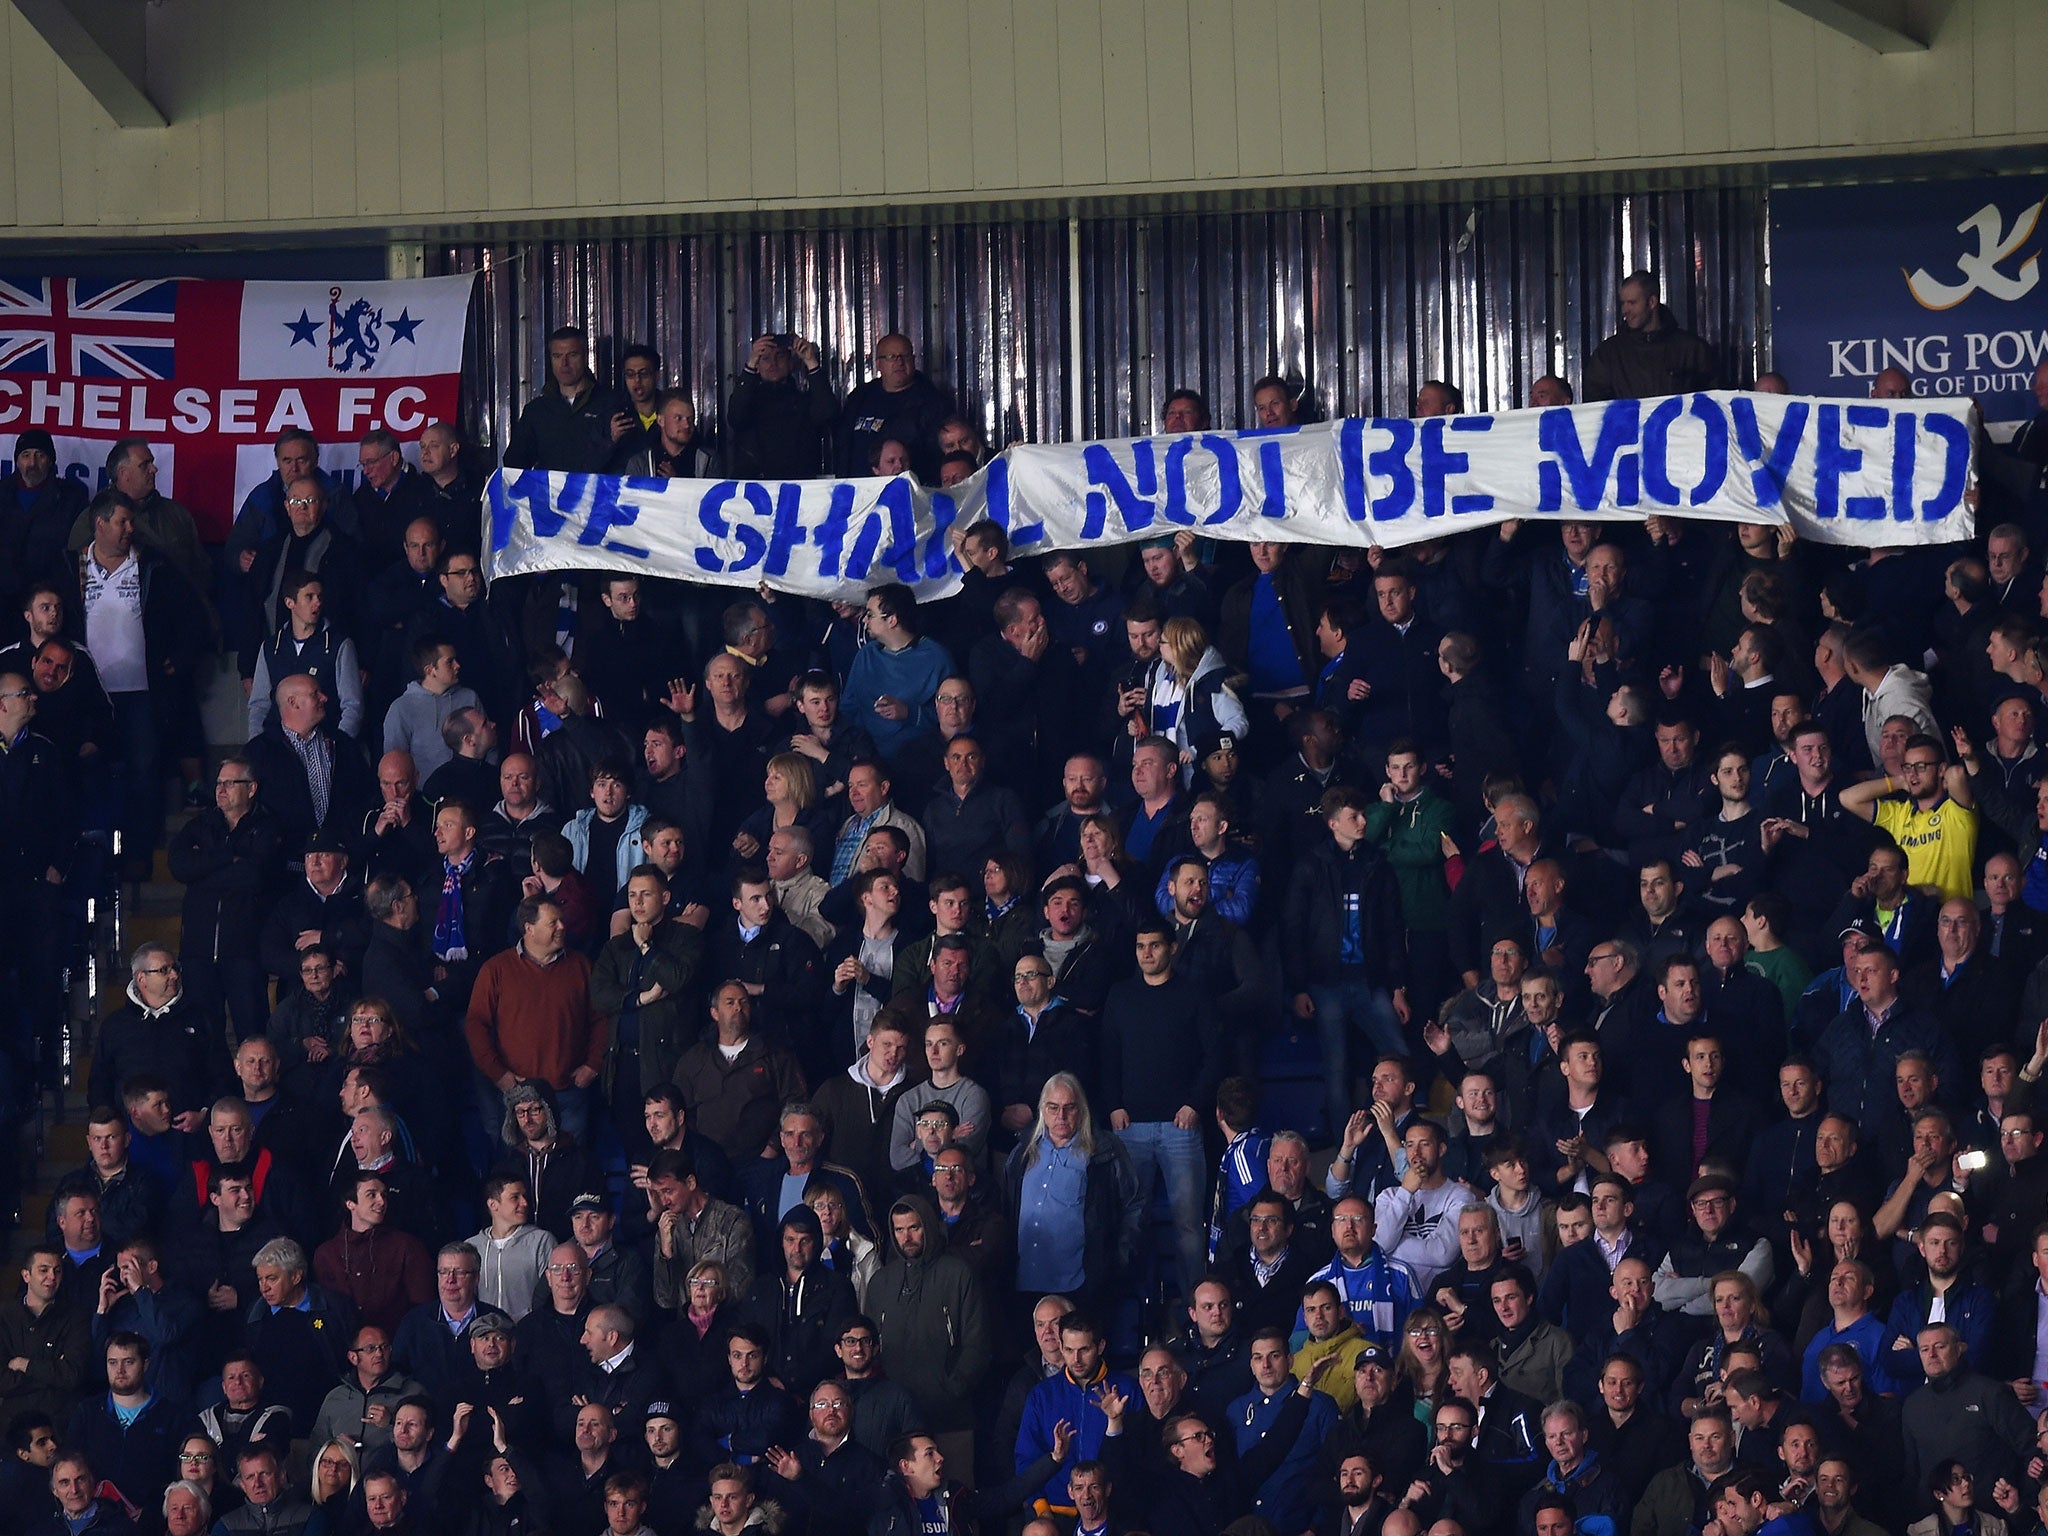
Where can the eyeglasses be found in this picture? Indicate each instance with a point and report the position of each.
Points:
(858, 1341)
(195, 1455)
(170, 969)
(827, 1404)
(456, 1274)
(934, 1123)
(234, 783)
(301, 503)
(18, 693)
(371, 1349)
(462, 570)
(1033, 976)
(1195, 1437)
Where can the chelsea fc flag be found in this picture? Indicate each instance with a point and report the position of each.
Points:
(209, 373)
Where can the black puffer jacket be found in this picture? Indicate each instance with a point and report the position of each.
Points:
(228, 874)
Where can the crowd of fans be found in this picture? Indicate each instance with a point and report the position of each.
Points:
(1535, 1032)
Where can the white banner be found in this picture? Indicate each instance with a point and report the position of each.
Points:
(1862, 472)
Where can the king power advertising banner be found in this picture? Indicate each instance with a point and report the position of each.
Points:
(210, 373)
(1940, 279)
(1859, 472)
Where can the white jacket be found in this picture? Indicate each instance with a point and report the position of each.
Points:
(1901, 691)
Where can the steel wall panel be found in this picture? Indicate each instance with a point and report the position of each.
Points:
(1357, 304)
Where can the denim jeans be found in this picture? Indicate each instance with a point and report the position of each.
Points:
(1342, 1010)
(1175, 1155)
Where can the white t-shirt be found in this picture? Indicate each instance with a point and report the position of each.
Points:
(113, 624)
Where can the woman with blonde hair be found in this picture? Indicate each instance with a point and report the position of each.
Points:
(790, 787)
(1193, 686)
(846, 1252)
(1116, 885)
(337, 1467)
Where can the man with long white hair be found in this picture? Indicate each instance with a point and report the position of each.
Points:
(1075, 1197)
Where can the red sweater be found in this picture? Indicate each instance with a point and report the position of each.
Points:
(535, 1020)
(384, 1271)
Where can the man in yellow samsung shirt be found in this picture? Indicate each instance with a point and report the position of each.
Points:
(1932, 816)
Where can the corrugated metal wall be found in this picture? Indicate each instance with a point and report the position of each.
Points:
(1359, 304)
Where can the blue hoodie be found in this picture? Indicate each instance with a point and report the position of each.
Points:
(912, 674)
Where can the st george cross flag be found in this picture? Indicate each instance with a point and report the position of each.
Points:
(210, 372)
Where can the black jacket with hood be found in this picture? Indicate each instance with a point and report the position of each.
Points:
(932, 1322)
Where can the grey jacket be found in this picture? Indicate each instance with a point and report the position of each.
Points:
(344, 1413)
(969, 1100)
(414, 720)
(1536, 1367)
(724, 1235)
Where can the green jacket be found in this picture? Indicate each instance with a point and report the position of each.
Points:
(1412, 836)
